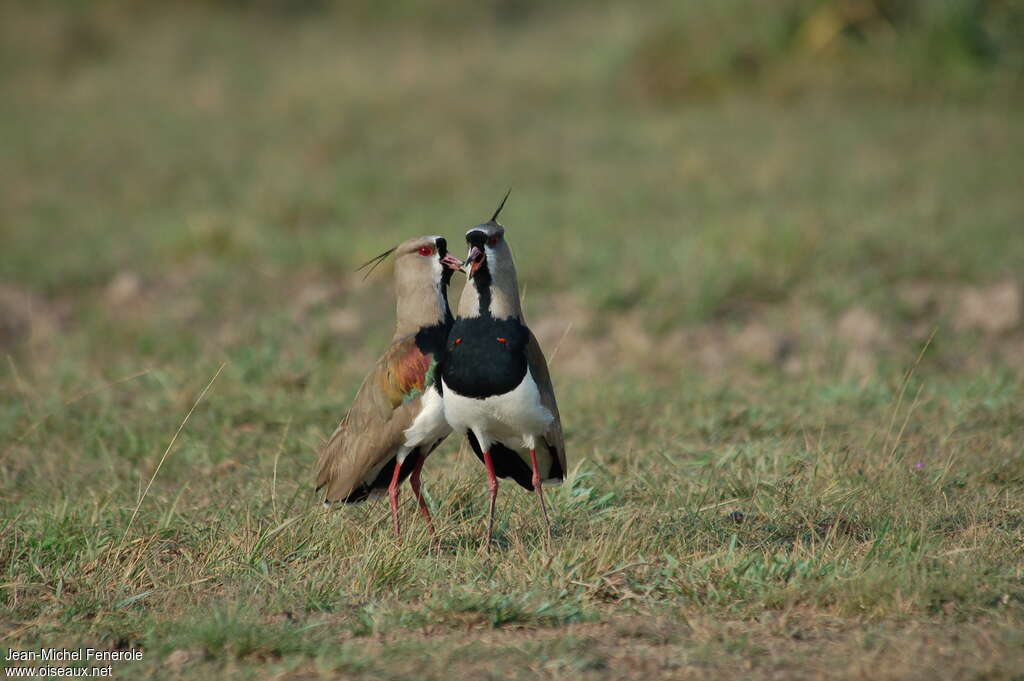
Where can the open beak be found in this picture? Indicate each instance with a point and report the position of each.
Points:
(451, 262)
(474, 260)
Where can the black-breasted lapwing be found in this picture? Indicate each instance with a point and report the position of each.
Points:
(495, 380)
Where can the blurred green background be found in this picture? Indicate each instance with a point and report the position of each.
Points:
(680, 155)
(684, 162)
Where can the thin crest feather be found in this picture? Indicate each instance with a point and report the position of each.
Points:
(374, 261)
(500, 206)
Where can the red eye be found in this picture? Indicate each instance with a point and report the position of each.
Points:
(493, 241)
(426, 251)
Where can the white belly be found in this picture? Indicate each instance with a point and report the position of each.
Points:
(429, 426)
(515, 418)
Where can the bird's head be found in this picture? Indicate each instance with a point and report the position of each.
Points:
(423, 270)
(487, 247)
(493, 288)
(419, 260)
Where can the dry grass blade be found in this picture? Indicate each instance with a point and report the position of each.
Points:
(170, 444)
(903, 388)
(277, 457)
(554, 353)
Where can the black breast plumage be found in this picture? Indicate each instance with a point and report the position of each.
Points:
(485, 356)
(430, 340)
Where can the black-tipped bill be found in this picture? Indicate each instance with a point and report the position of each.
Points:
(475, 259)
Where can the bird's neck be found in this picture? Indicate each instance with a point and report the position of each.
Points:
(492, 292)
(422, 307)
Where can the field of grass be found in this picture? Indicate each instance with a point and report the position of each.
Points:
(780, 289)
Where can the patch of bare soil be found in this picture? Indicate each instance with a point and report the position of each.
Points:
(994, 309)
(129, 296)
(26, 317)
(977, 325)
(986, 323)
(865, 337)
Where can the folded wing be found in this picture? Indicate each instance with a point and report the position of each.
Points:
(553, 438)
(373, 430)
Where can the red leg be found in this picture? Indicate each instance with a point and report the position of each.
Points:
(493, 485)
(393, 496)
(538, 488)
(414, 480)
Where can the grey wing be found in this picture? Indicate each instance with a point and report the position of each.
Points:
(538, 366)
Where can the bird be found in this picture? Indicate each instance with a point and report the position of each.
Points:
(495, 381)
(397, 417)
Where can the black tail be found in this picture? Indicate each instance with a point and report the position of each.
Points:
(507, 464)
(383, 479)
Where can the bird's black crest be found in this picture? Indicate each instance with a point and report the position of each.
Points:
(374, 261)
(501, 205)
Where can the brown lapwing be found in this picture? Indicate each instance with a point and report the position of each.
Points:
(397, 417)
(495, 380)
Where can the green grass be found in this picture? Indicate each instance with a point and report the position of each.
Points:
(793, 439)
